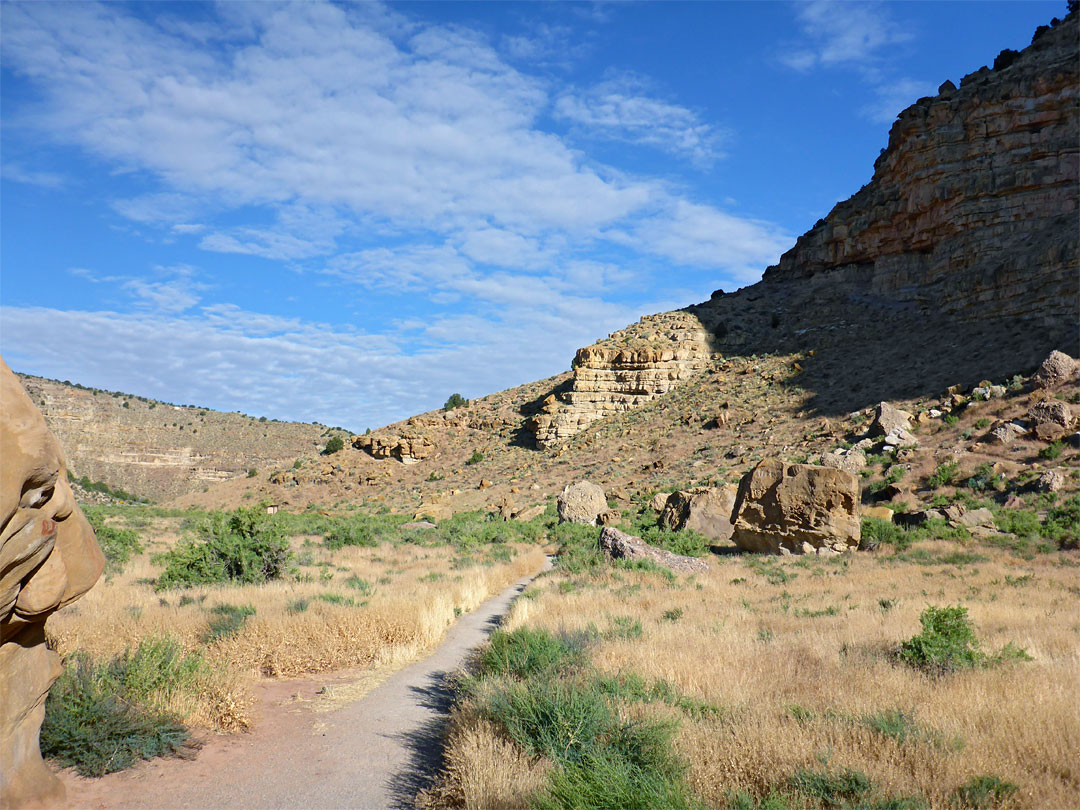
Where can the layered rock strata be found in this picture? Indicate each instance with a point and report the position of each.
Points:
(631, 367)
(48, 558)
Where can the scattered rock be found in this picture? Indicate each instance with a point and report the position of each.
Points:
(434, 511)
(659, 500)
(879, 512)
(581, 503)
(797, 509)
(1050, 481)
(890, 420)
(48, 559)
(1007, 432)
(484, 484)
(1058, 368)
(852, 461)
(618, 545)
(417, 525)
(898, 437)
(1050, 419)
(707, 511)
(959, 515)
(525, 515)
(609, 517)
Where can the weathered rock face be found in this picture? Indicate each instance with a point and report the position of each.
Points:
(1050, 419)
(631, 367)
(848, 460)
(406, 449)
(972, 207)
(582, 502)
(1057, 369)
(621, 546)
(48, 558)
(797, 509)
(707, 511)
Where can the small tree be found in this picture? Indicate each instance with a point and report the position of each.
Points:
(333, 445)
(455, 401)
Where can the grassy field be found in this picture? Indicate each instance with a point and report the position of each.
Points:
(374, 596)
(778, 683)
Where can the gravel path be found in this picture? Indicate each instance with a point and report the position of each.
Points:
(374, 753)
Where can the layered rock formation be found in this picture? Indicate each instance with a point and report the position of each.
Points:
(406, 449)
(158, 450)
(48, 558)
(959, 257)
(631, 367)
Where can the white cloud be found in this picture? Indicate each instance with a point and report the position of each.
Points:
(620, 110)
(841, 32)
(20, 174)
(895, 96)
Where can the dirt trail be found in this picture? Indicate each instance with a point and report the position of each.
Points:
(376, 752)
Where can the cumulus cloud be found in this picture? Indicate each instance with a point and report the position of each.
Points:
(839, 32)
(895, 96)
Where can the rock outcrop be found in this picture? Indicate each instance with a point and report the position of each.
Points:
(618, 545)
(48, 558)
(707, 511)
(1056, 370)
(406, 449)
(797, 509)
(582, 502)
(632, 366)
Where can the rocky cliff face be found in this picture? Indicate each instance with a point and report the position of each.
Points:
(157, 450)
(958, 258)
(631, 367)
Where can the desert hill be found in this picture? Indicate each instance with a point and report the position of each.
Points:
(158, 450)
(955, 266)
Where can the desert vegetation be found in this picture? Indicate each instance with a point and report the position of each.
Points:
(926, 673)
(196, 606)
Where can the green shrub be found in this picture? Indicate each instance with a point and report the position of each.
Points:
(947, 641)
(475, 458)
(362, 585)
(333, 445)
(524, 652)
(1052, 450)
(946, 473)
(104, 717)
(896, 725)
(455, 401)
(832, 789)
(252, 472)
(246, 546)
(118, 545)
(983, 791)
(1063, 523)
(876, 532)
(225, 621)
(983, 477)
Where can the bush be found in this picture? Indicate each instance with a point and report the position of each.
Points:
(876, 532)
(1063, 523)
(118, 545)
(104, 717)
(983, 791)
(246, 546)
(946, 473)
(524, 653)
(252, 472)
(475, 458)
(455, 401)
(333, 445)
(947, 641)
(226, 621)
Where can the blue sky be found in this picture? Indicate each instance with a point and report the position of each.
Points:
(345, 213)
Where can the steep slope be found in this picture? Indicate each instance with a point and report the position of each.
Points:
(158, 450)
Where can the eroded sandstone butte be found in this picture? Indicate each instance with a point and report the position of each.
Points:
(957, 259)
(48, 559)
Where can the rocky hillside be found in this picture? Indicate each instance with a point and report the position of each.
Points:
(158, 450)
(956, 266)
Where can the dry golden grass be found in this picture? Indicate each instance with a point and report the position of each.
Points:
(795, 689)
(417, 596)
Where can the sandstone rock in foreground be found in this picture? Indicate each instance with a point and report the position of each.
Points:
(48, 558)
(1057, 369)
(707, 511)
(619, 545)
(797, 509)
(582, 502)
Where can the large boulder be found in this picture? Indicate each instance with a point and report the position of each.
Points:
(618, 545)
(707, 511)
(1056, 370)
(1050, 419)
(582, 502)
(889, 420)
(797, 509)
(48, 558)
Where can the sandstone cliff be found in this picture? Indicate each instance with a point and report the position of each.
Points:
(157, 450)
(959, 259)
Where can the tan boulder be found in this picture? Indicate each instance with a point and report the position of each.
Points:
(581, 503)
(618, 545)
(1050, 419)
(879, 512)
(530, 513)
(48, 558)
(889, 419)
(659, 501)
(797, 509)
(1058, 368)
(437, 512)
(852, 461)
(707, 511)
